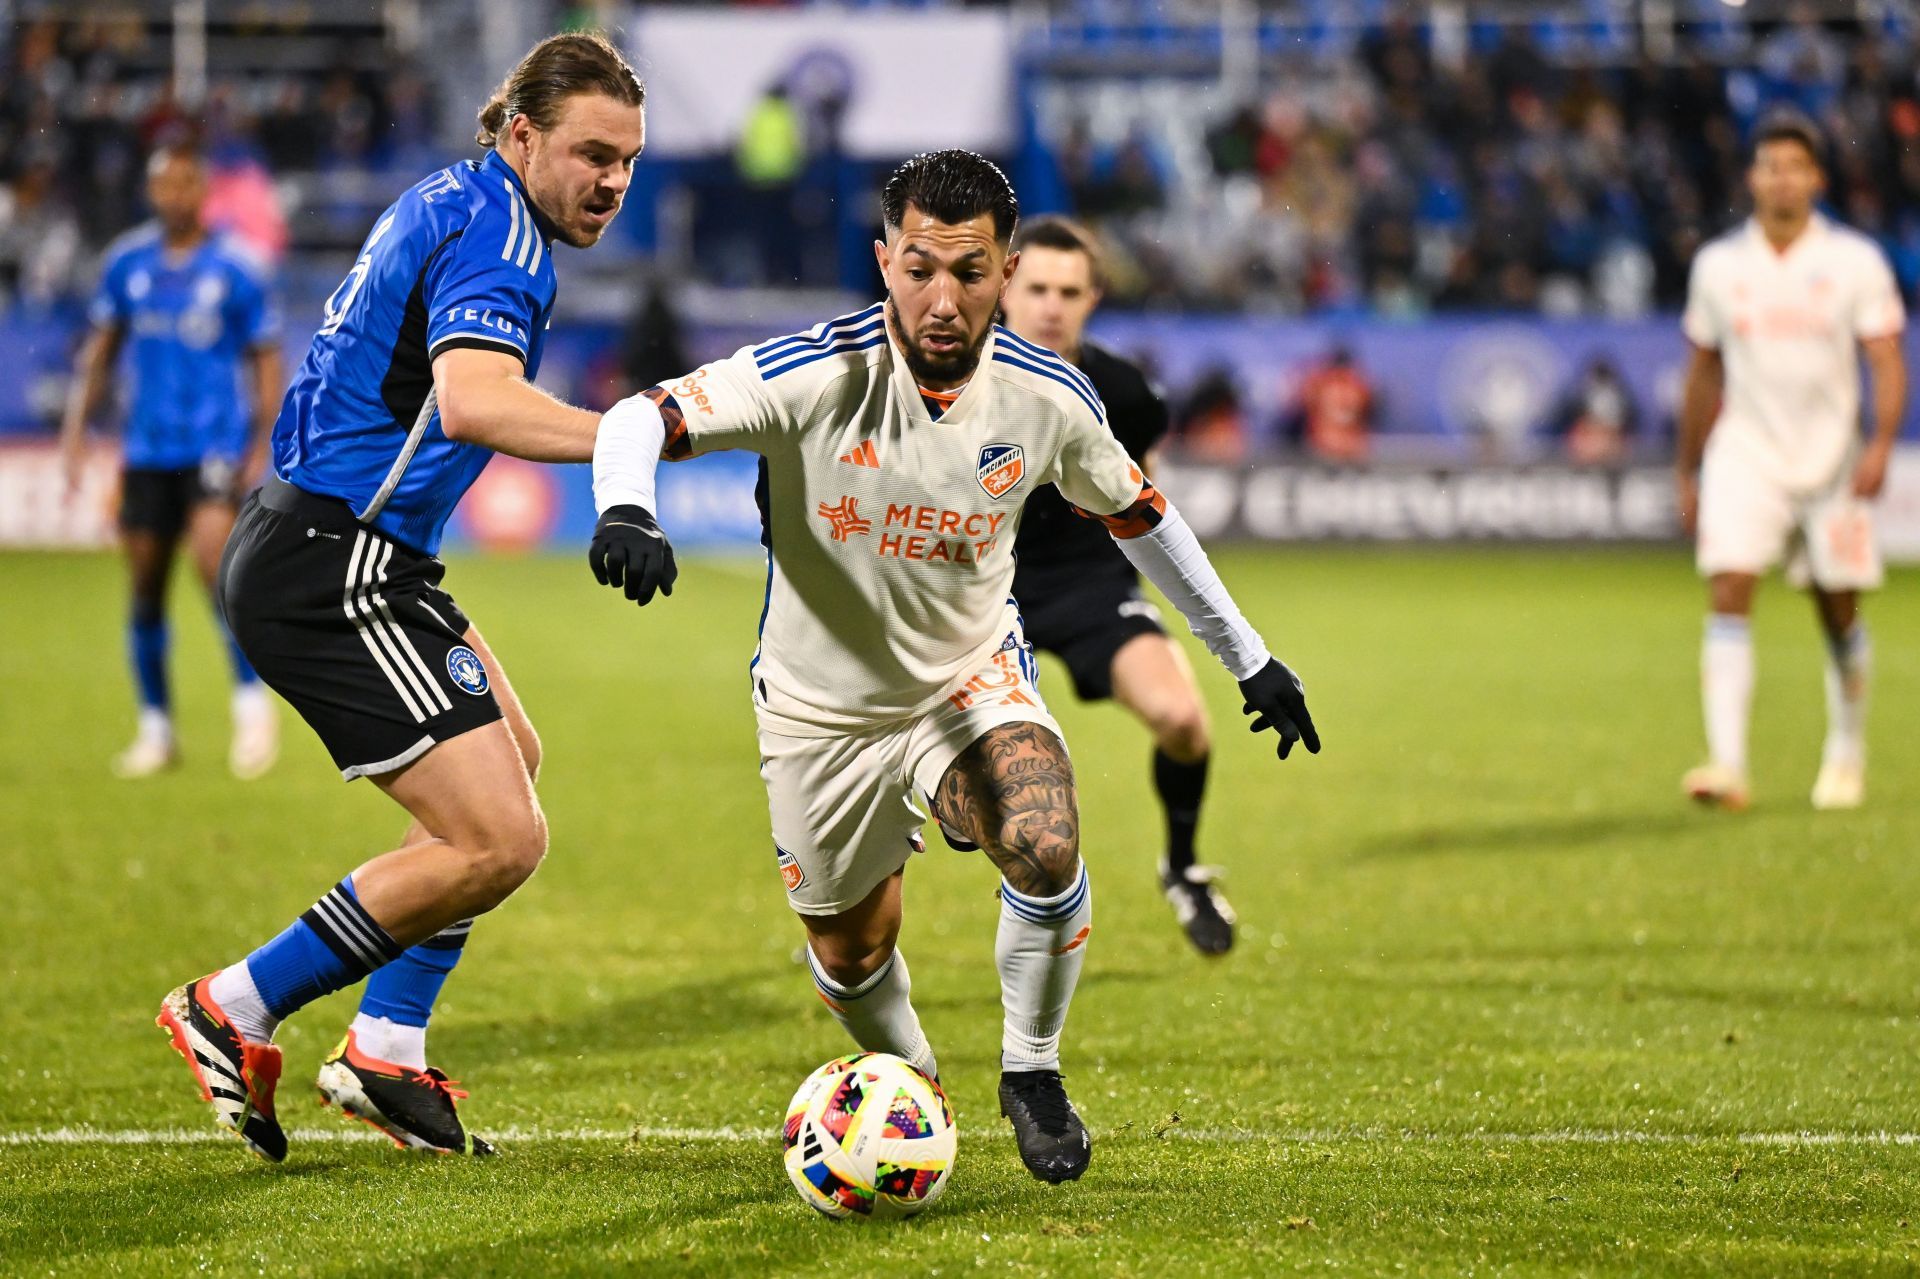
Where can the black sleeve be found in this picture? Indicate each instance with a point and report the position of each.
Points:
(1137, 415)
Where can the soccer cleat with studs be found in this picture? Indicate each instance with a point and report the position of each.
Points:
(1199, 908)
(1054, 1144)
(236, 1076)
(414, 1108)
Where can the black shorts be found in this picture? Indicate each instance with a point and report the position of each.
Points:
(352, 629)
(160, 502)
(1084, 622)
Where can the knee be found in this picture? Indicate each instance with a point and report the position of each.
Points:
(507, 853)
(1045, 853)
(1181, 731)
(849, 961)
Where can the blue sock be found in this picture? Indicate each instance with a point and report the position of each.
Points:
(243, 672)
(403, 992)
(147, 637)
(332, 946)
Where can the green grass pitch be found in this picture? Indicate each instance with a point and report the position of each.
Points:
(1502, 1004)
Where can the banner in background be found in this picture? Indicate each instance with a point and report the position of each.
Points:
(707, 504)
(907, 82)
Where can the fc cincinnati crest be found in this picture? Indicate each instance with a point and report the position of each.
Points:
(791, 872)
(465, 669)
(1001, 467)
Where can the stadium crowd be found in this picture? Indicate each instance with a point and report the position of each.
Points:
(1393, 182)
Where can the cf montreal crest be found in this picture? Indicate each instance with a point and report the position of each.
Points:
(1001, 467)
(466, 670)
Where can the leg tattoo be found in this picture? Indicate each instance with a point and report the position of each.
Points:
(1012, 793)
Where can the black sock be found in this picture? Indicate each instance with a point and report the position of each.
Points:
(1180, 786)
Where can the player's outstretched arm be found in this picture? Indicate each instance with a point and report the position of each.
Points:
(92, 369)
(629, 552)
(484, 398)
(1157, 541)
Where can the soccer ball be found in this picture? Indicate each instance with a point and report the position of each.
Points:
(869, 1136)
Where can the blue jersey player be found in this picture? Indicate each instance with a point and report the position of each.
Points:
(420, 372)
(190, 311)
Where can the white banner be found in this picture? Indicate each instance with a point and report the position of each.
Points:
(36, 510)
(911, 82)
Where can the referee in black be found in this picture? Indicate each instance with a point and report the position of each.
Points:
(1079, 596)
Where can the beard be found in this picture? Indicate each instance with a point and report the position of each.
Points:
(957, 366)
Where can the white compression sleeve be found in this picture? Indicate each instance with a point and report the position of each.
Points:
(1172, 559)
(626, 452)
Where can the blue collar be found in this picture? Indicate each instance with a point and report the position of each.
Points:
(494, 163)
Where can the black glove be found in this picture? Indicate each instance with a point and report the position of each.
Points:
(1276, 700)
(630, 550)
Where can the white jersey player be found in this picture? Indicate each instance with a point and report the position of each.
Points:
(892, 675)
(1779, 312)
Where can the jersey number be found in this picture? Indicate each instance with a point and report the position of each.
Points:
(343, 297)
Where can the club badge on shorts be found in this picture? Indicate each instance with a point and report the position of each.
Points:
(1001, 467)
(466, 670)
(791, 872)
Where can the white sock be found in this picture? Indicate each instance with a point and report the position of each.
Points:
(1040, 947)
(233, 989)
(1726, 688)
(1849, 668)
(250, 702)
(155, 726)
(878, 1013)
(386, 1040)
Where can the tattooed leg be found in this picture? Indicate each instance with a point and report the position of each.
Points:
(1012, 793)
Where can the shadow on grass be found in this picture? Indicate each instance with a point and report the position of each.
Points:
(1570, 832)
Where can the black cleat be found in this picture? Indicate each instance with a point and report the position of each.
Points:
(236, 1076)
(1054, 1144)
(1199, 907)
(414, 1108)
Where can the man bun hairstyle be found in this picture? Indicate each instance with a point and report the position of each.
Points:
(953, 186)
(1786, 124)
(1051, 231)
(553, 71)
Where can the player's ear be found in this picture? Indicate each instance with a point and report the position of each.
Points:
(882, 256)
(1006, 272)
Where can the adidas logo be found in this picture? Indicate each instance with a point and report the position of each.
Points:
(863, 455)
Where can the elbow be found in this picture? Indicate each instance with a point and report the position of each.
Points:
(456, 419)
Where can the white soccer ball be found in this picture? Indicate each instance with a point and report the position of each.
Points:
(869, 1136)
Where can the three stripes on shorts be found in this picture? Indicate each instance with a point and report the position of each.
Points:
(392, 651)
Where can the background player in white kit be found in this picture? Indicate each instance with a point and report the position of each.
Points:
(897, 447)
(1779, 311)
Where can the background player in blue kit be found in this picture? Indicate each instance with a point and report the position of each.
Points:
(421, 370)
(191, 309)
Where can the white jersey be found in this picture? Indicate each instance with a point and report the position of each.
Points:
(1787, 326)
(890, 532)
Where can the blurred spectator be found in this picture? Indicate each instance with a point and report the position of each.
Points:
(1211, 425)
(1333, 411)
(1596, 419)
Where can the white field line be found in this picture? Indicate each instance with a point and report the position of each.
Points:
(89, 1136)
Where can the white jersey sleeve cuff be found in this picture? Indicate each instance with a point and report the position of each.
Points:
(1172, 559)
(626, 453)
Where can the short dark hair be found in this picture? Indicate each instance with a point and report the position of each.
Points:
(553, 71)
(1785, 124)
(1051, 231)
(953, 186)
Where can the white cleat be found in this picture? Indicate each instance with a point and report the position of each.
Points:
(256, 738)
(147, 757)
(1841, 784)
(1716, 785)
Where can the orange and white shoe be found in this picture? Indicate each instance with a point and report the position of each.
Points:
(1842, 784)
(414, 1108)
(1717, 785)
(236, 1076)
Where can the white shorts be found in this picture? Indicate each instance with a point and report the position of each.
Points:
(1749, 523)
(848, 809)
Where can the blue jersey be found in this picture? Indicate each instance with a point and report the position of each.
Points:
(458, 261)
(189, 319)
